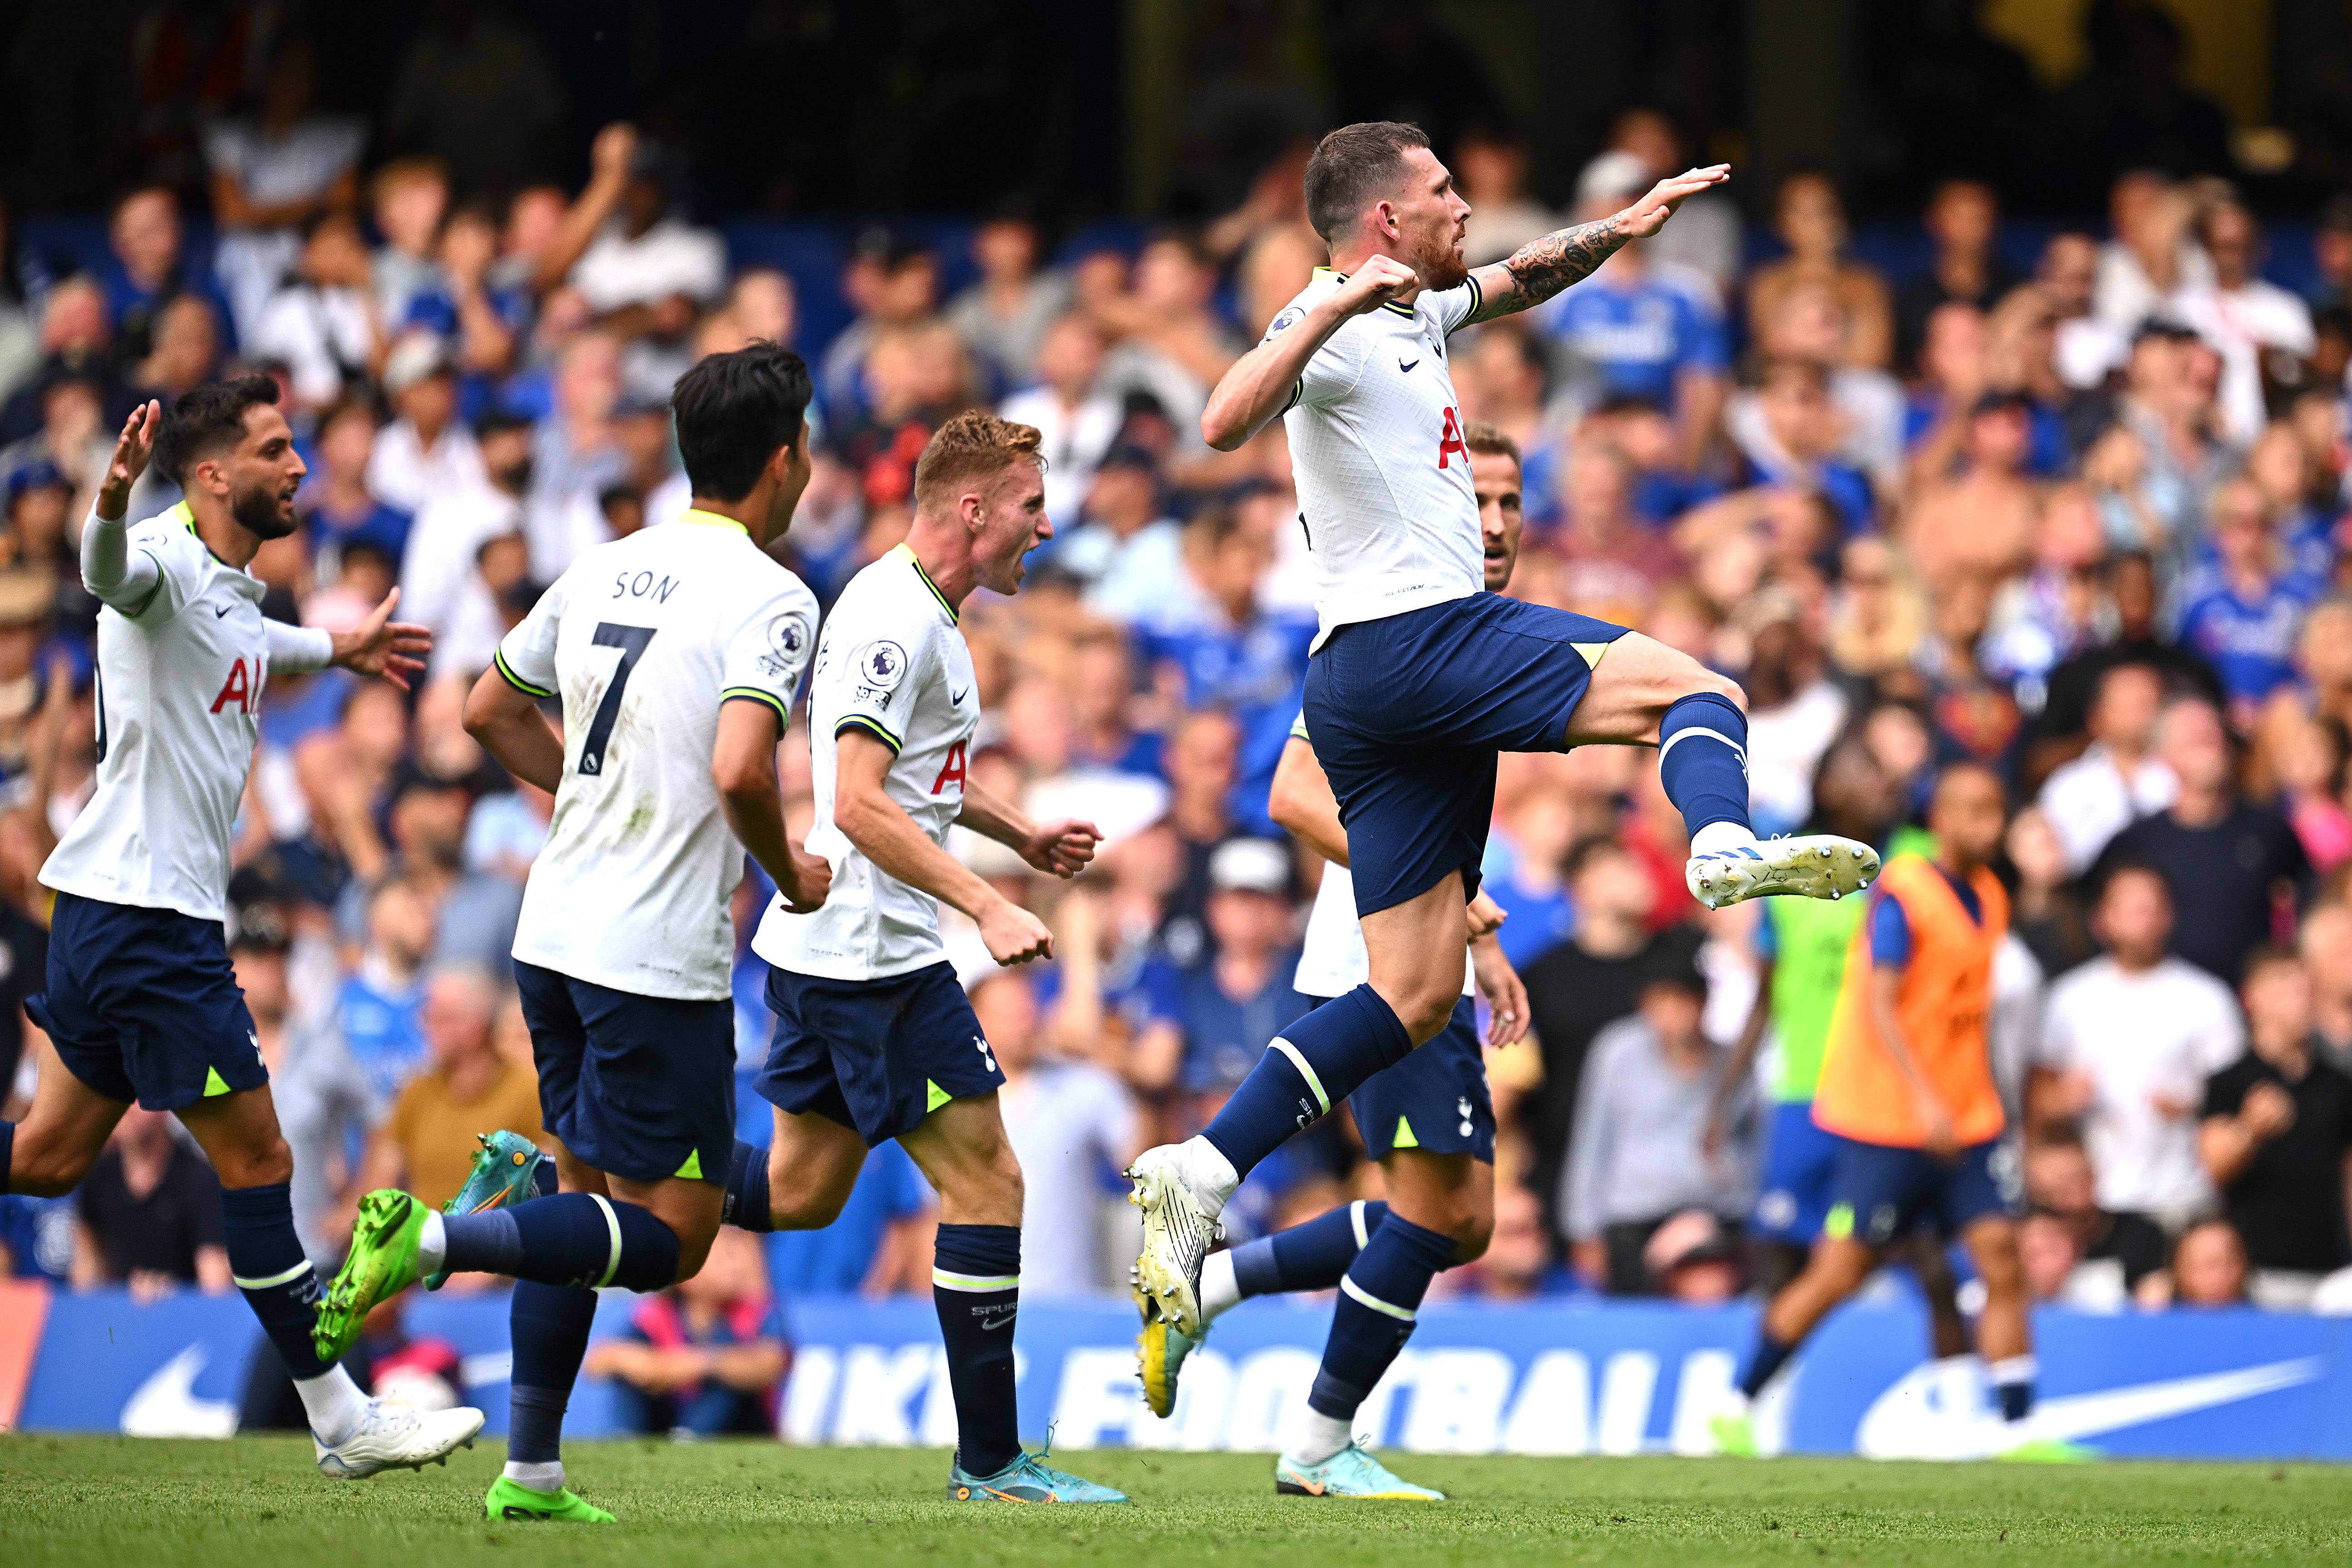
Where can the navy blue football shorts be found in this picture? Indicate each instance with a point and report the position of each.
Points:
(1801, 1166)
(1407, 713)
(141, 1004)
(642, 1087)
(1436, 1098)
(877, 1056)
(1881, 1192)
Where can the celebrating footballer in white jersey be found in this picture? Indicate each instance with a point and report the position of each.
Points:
(1419, 680)
(873, 1037)
(677, 653)
(141, 1002)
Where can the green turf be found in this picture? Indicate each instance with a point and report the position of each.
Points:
(256, 1503)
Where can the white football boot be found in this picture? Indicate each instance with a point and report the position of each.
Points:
(394, 1437)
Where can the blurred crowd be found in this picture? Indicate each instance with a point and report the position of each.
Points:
(2084, 524)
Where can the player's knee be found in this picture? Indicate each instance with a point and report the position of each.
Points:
(1704, 681)
(264, 1163)
(1427, 1006)
(693, 1248)
(47, 1170)
(802, 1208)
(1471, 1233)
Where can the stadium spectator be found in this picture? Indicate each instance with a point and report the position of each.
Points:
(705, 1358)
(2119, 1258)
(2127, 1045)
(426, 454)
(1637, 1158)
(1705, 233)
(1235, 998)
(324, 321)
(2244, 862)
(148, 1215)
(1639, 330)
(1584, 984)
(2208, 1266)
(273, 170)
(151, 269)
(2244, 608)
(184, 350)
(1517, 1263)
(377, 1009)
(428, 1141)
(452, 527)
(1490, 164)
(2119, 779)
(20, 338)
(891, 283)
(339, 508)
(1811, 220)
(2248, 318)
(1072, 1124)
(76, 347)
(1962, 219)
(407, 199)
(1005, 314)
(2276, 1134)
(1077, 420)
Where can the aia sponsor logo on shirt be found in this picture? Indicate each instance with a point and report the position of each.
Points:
(241, 690)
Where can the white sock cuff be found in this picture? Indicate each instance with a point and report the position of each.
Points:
(1319, 1436)
(1213, 1176)
(539, 1475)
(1221, 1288)
(432, 1243)
(2013, 1369)
(1717, 837)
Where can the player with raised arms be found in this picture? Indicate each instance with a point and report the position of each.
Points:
(1428, 1122)
(1418, 678)
(875, 1039)
(677, 651)
(141, 1002)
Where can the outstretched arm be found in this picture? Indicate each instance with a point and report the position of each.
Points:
(1542, 267)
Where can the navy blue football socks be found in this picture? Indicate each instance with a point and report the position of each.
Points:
(572, 1239)
(745, 1206)
(976, 1287)
(547, 1325)
(265, 1260)
(1308, 1257)
(1317, 1061)
(1769, 1357)
(1703, 759)
(2012, 1382)
(1378, 1296)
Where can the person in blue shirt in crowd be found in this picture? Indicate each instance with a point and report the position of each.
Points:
(379, 1007)
(150, 267)
(705, 1358)
(2242, 608)
(338, 509)
(1645, 330)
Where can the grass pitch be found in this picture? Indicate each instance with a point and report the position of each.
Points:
(256, 1502)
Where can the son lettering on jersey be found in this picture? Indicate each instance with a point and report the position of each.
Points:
(240, 690)
(951, 772)
(1449, 440)
(643, 585)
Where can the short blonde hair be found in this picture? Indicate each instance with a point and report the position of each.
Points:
(974, 446)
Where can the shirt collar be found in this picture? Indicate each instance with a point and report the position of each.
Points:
(702, 518)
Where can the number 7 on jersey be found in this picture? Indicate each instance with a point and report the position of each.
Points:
(630, 641)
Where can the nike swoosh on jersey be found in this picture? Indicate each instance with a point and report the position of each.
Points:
(1407, 364)
(220, 610)
(956, 698)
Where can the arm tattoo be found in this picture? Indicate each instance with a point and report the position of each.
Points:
(1542, 267)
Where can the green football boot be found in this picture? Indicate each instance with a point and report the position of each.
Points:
(2048, 1451)
(1733, 1435)
(1026, 1479)
(1350, 1472)
(512, 1499)
(505, 1173)
(383, 1263)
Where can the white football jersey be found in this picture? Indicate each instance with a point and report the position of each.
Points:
(892, 664)
(1376, 451)
(644, 638)
(178, 699)
(1333, 960)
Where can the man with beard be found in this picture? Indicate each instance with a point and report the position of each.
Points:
(1419, 677)
(141, 1003)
